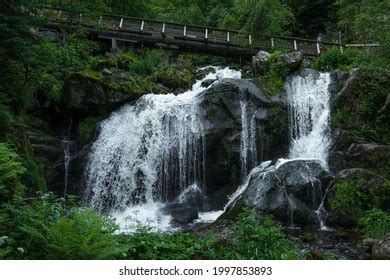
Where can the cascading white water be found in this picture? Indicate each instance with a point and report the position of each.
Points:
(309, 112)
(308, 103)
(248, 151)
(148, 153)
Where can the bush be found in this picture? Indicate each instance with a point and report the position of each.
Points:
(147, 63)
(351, 200)
(375, 223)
(247, 240)
(145, 245)
(52, 228)
(333, 58)
(10, 171)
(262, 241)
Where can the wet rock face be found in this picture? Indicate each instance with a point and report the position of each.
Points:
(291, 191)
(181, 213)
(221, 106)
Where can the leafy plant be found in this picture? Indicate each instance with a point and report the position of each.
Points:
(10, 171)
(375, 223)
(333, 58)
(351, 200)
(262, 241)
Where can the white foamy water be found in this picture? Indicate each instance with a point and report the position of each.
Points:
(309, 111)
(248, 151)
(148, 153)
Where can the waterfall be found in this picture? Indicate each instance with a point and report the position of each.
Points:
(248, 151)
(147, 153)
(308, 106)
(66, 146)
(309, 112)
(308, 101)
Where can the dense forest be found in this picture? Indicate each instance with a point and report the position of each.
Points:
(38, 220)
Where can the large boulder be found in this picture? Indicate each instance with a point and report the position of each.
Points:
(381, 249)
(291, 60)
(181, 213)
(260, 62)
(290, 190)
(229, 107)
(192, 196)
(353, 191)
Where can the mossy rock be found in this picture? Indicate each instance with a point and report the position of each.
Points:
(352, 192)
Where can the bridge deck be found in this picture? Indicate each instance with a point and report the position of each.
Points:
(162, 34)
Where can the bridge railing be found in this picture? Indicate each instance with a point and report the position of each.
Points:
(204, 34)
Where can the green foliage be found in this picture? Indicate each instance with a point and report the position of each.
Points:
(146, 245)
(259, 17)
(365, 21)
(87, 128)
(274, 74)
(34, 176)
(10, 171)
(82, 235)
(375, 223)
(146, 63)
(248, 240)
(52, 228)
(262, 241)
(350, 199)
(365, 115)
(333, 58)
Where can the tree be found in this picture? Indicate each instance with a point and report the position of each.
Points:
(260, 17)
(365, 21)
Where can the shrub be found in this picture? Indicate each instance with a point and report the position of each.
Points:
(147, 245)
(351, 200)
(375, 223)
(247, 240)
(333, 58)
(147, 63)
(10, 171)
(262, 241)
(53, 228)
(82, 235)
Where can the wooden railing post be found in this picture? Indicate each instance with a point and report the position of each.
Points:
(100, 20)
(163, 29)
(206, 34)
(295, 45)
(142, 26)
(318, 48)
(250, 39)
(272, 43)
(185, 31)
(59, 14)
(228, 36)
(121, 23)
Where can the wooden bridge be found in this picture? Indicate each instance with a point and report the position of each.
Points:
(171, 35)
